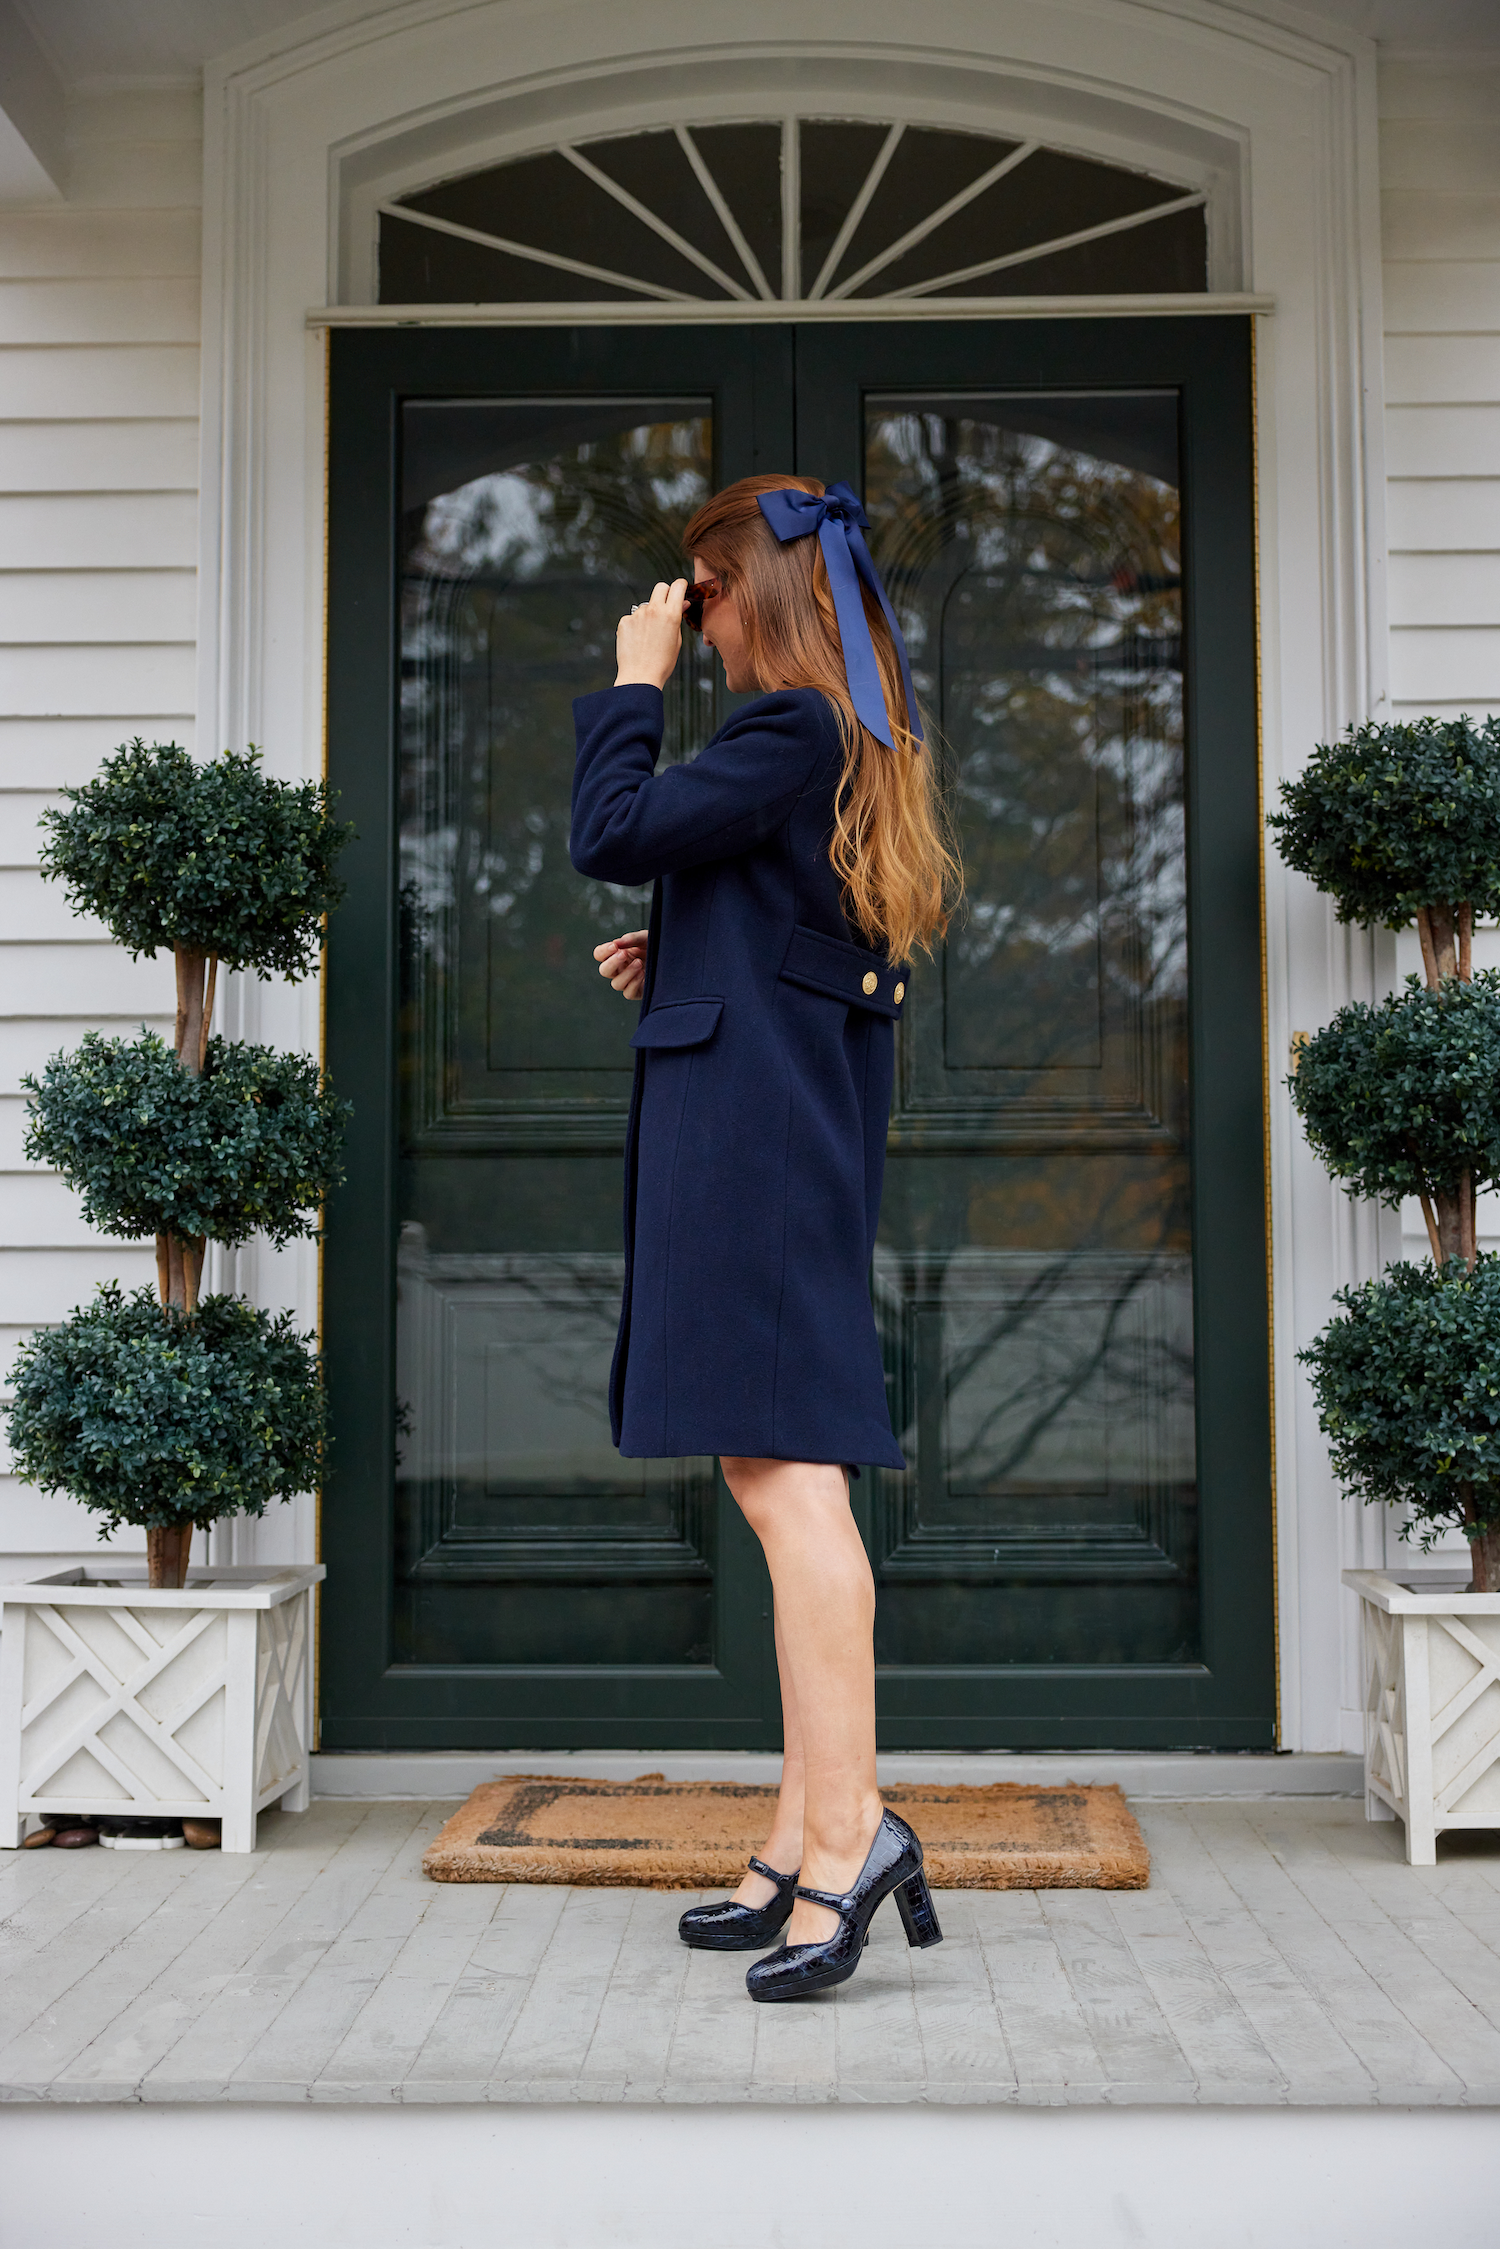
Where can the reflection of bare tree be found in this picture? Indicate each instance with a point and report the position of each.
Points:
(1043, 1322)
(1040, 591)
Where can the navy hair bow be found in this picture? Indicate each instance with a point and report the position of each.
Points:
(840, 523)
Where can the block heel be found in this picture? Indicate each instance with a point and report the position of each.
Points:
(918, 1916)
(893, 1868)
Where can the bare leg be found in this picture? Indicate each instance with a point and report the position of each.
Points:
(783, 1846)
(825, 1615)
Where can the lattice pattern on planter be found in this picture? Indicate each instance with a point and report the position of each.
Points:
(114, 1697)
(123, 1704)
(1463, 1657)
(282, 1655)
(1385, 1708)
(1432, 1707)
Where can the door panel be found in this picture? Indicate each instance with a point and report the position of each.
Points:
(1041, 1565)
(1070, 1279)
(529, 1584)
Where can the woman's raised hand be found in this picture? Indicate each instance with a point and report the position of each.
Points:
(648, 641)
(623, 961)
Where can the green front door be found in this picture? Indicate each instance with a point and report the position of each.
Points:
(1071, 1274)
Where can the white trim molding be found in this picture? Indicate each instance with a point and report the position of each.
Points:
(696, 313)
(1273, 125)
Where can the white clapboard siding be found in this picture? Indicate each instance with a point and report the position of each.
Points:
(23, 813)
(82, 382)
(62, 753)
(37, 1211)
(1443, 440)
(99, 375)
(41, 1285)
(1446, 589)
(1429, 666)
(82, 983)
(69, 244)
(124, 455)
(122, 310)
(1448, 297)
(74, 681)
(99, 605)
(27, 1043)
(1440, 206)
(36, 912)
(13, 1114)
(1453, 518)
(106, 531)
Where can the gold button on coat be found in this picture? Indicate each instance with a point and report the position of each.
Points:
(871, 980)
(900, 994)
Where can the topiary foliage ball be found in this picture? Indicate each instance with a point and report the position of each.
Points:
(1390, 818)
(154, 1420)
(1400, 1099)
(252, 1145)
(218, 858)
(1407, 1382)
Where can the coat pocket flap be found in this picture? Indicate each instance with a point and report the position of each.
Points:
(679, 1023)
(844, 971)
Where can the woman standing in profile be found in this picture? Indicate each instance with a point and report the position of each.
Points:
(798, 863)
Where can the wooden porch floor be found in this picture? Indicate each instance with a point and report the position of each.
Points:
(1284, 1954)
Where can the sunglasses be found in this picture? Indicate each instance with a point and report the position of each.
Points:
(701, 590)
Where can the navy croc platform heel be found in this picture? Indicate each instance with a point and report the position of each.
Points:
(894, 1864)
(731, 1927)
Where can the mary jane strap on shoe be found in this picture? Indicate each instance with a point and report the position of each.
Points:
(893, 1866)
(732, 1927)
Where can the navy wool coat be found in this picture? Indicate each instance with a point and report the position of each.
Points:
(756, 1143)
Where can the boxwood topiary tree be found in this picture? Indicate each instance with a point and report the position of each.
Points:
(168, 1412)
(1402, 823)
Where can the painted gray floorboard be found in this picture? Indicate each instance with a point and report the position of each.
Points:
(1314, 2062)
(632, 2036)
(297, 2046)
(84, 1948)
(1397, 2056)
(463, 2045)
(386, 2037)
(253, 1904)
(1050, 2045)
(555, 2025)
(1433, 1918)
(1130, 2033)
(958, 2016)
(714, 2038)
(353, 1857)
(1438, 2009)
(1284, 1952)
(1217, 2038)
(33, 1912)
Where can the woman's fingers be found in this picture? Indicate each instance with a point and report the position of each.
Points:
(622, 962)
(648, 641)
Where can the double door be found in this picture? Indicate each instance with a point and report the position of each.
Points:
(1070, 1280)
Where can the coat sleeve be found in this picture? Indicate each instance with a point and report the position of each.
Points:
(631, 823)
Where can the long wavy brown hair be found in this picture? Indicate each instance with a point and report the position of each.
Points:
(892, 847)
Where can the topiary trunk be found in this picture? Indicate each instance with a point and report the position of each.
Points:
(167, 1548)
(179, 1259)
(1484, 1547)
(1446, 931)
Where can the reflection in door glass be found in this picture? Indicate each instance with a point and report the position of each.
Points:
(1034, 1274)
(528, 527)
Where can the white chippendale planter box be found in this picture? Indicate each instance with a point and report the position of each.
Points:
(115, 1698)
(1432, 1704)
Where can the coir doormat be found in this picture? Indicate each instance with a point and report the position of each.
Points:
(655, 1834)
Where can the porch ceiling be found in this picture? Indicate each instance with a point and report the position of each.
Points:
(1283, 1956)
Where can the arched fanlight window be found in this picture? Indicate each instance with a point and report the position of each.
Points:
(791, 210)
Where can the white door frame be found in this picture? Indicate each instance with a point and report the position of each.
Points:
(304, 135)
